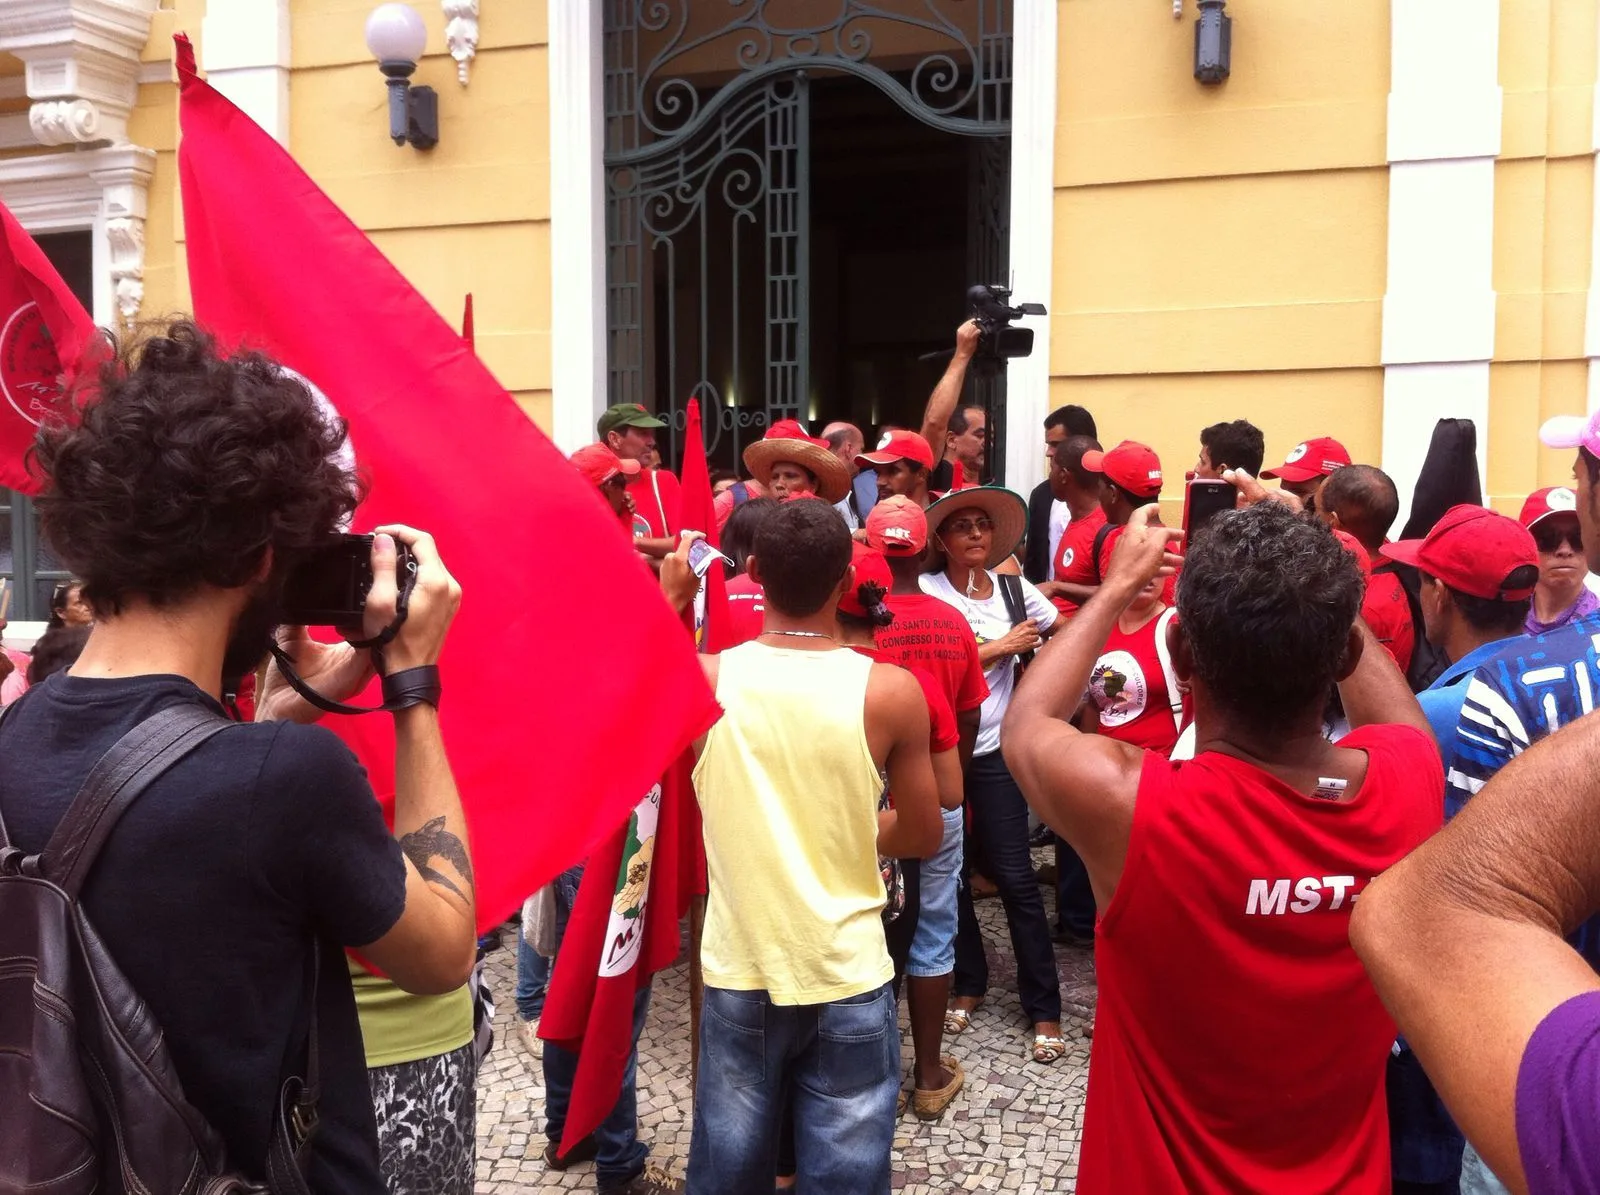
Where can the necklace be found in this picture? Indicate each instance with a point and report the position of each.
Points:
(800, 634)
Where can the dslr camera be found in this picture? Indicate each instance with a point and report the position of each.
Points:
(998, 341)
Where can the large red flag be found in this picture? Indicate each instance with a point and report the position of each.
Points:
(45, 338)
(624, 925)
(547, 647)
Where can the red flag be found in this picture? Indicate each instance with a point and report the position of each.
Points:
(557, 611)
(45, 335)
(624, 925)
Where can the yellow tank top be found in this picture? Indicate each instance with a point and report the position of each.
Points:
(789, 794)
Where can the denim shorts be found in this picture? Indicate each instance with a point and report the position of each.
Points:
(933, 949)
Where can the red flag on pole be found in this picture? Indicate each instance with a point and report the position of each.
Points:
(45, 335)
(545, 769)
(624, 925)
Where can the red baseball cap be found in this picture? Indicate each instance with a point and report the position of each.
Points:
(1475, 550)
(599, 464)
(870, 566)
(1552, 500)
(1133, 466)
(899, 446)
(897, 526)
(1308, 459)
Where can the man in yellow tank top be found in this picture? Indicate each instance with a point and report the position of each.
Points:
(798, 1005)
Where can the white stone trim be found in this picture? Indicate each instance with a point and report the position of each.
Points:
(577, 222)
(105, 191)
(1439, 308)
(461, 35)
(1032, 252)
(1591, 328)
(81, 64)
(246, 45)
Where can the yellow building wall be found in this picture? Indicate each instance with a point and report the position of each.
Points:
(1544, 211)
(1220, 252)
(470, 215)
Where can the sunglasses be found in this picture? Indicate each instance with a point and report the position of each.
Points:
(1548, 539)
(968, 526)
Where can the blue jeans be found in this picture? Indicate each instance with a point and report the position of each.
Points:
(836, 1065)
(1476, 1177)
(533, 969)
(620, 1154)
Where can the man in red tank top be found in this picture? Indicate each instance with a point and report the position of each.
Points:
(1239, 1046)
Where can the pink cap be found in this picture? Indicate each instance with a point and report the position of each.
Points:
(599, 464)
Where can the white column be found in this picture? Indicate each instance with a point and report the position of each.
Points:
(1591, 328)
(245, 44)
(1438, 312)
(1033, 150)
(577, 222)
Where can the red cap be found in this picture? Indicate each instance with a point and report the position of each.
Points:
(788, 429)
(870, 566)
(1133, 466)
(1476, 551)
(599, 464)
(1308, 459)
(897, 526)
(1552, 500)
(899, 446)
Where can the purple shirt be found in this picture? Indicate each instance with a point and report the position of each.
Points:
(1586, 604)
(1558, 1100)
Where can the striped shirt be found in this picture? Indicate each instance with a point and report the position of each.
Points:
(1523, 693)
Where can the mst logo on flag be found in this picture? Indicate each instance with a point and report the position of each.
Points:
(30, 370)
(625, 929)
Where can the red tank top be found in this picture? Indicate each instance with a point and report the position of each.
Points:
(1239, 1046)
(1128, 685)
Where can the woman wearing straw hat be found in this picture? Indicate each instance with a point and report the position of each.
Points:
(788, 463)
(973, 531)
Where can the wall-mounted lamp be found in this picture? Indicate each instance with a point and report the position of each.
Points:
(397, 37)
(1213, 42)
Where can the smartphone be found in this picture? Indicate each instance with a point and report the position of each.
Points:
(329, 587)
(1205, 498)
(702, 556)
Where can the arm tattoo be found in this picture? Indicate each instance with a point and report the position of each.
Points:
(433, 841)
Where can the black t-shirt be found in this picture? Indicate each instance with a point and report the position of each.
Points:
(208, 894)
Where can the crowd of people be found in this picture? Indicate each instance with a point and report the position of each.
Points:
(1293, 771)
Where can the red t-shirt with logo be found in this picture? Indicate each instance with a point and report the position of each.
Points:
(1389, 615)
(1239, 1045)
(942, 733)
(930, 634)
(655, 503)
(746, 608)
(1074, 561)
(1128, 686)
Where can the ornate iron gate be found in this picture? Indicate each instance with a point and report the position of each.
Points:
(707, 186)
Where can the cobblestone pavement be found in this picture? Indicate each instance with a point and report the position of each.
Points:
(1014, 1127)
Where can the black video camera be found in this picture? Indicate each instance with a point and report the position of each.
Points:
(998, 341)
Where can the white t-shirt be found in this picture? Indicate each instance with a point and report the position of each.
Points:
(1060, 520)
(989, 621)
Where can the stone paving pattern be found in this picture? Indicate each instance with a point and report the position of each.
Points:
(1014, 1127)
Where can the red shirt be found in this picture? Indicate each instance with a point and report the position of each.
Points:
(1389, 615)
(746, 608)
(1169, 592)
(930, 634)
(1239, 1045)
(1074, 556)
(655, 502)
(942, 734)
(1128, 686)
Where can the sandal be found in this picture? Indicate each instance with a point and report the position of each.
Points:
(958, 1020)
(1048, 1050)
(930, 1105)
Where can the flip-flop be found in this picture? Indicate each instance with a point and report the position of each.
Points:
(930, 1105)
(1048, 1050)
(958, 1020)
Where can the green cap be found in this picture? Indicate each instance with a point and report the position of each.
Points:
(626, 414)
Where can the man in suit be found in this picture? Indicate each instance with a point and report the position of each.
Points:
(1048, 516)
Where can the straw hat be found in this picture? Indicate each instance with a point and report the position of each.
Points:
(787, 442)
(1006, 509)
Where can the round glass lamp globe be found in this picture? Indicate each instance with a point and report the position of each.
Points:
(395, 33)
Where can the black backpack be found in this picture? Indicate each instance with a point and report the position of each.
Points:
(89, 1099)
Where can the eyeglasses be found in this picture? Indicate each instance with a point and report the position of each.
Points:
(968, 526)
(1548, 539)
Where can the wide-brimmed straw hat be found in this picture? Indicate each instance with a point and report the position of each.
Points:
(787, 441)
(1006, 510)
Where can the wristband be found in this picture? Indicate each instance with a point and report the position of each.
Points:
(412, 686)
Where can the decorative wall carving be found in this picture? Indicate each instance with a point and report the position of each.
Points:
(461, 34)
(81, 65)
(64, 122)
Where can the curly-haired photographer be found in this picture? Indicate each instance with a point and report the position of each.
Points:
(190, 484)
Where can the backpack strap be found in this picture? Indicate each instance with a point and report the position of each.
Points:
(1016, 607)
(1100, 538)
(132, 764)
(1164, 654)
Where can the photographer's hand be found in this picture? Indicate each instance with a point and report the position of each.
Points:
(967, 336)
(942, 402)
(434, 599)
(336, 670)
